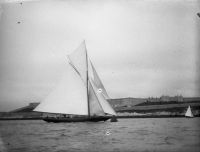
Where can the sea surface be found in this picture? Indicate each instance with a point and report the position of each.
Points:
(137, 135)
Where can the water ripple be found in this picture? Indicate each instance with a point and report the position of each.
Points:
(126, 135)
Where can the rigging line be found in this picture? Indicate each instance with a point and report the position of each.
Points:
(103, 94)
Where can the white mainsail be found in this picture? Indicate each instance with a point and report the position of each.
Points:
(81, 91)
(69, 97)
(189, 112)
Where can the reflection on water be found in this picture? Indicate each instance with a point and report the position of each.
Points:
(154, 134)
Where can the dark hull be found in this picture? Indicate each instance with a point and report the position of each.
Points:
(78, 119)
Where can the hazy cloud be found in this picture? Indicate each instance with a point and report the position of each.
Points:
(139, 48)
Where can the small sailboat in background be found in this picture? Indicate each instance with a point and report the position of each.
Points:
(189, 113)
(80, 96)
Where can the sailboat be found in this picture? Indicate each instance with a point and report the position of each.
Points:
(80, 96)
(189, 113)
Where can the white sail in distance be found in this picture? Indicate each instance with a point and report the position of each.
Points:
(69, 97)
(189, 112)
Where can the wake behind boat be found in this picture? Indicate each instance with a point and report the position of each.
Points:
(80, 96)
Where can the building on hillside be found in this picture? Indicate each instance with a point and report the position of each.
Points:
(178, 98)
(152, 99)
(125, 102)
(191, 99)
(165, 98)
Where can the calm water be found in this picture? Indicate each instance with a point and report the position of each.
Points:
(155, 134)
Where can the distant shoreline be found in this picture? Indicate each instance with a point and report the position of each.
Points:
(125, 108)
(118, 117)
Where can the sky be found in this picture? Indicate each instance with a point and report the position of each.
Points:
(140, 48)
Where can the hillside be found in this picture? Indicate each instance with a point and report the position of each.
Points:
(125, 107)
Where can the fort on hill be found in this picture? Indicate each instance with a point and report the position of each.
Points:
(127, 107)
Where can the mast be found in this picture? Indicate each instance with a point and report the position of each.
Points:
(87, 81)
